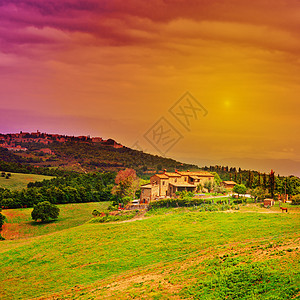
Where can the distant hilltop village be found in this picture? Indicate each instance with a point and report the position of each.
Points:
(15, 141)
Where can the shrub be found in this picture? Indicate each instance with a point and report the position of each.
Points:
(113, 218)
(10, 203)
(96, 213)
(2, 218)
(296, 200)
(220, 190)
(239, 189)
(45, 211)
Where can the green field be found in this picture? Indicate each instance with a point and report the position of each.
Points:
(19, 223)
(169, 254)
(18, 181)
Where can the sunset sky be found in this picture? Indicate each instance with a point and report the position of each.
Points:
(114, 68)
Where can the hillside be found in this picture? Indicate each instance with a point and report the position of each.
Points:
(19, 223)
(80, 154)
(171, 254)
(18, 181)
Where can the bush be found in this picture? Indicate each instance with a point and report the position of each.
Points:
(2, 218)
(220, 190)
(113, 218)
(239, 189)
(10, 203)
(296, 200)
(45, 211)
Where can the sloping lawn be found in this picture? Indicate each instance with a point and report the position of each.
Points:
(19, 223)
(91, 254)
(18, 181)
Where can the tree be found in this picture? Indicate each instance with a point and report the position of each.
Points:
(265, 180)
(239, 189)
(2, 218)
(259, 183)
(296, 200)
(259, 193)
(45, 211)
(220, 190)
(250, 179)
(209, 185)
(272, 182)
(217, 178)
(126, 183)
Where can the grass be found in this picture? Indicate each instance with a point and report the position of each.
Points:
(180, 253)
(19, 223)
(18, 181)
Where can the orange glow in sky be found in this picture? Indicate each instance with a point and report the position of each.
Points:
(113, 68)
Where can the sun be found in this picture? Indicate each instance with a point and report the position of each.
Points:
(227, 103)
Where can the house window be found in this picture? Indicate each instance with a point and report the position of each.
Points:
(175, 179)
(163, 183)
(184, 178)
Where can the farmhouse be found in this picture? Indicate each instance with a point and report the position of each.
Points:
(167, 184)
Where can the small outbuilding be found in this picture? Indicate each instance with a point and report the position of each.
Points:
(228, 184)
(269, 202)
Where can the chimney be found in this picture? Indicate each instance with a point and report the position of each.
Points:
(165, 170)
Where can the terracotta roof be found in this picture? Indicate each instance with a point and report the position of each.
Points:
(182, 184)
(147, 186)
(172, 174)
(162, 176)
(202, 173)
(229, 182)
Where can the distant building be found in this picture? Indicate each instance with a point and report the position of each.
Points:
(167, 184)
(97, 139)
(46, 151)
(269, 202)
(17, 148)
(228, 184)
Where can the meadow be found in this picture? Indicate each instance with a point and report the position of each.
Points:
(18, 181)
(181, 253)
(19, 223)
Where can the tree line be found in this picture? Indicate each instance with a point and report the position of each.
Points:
(71, 188)
(271, 183)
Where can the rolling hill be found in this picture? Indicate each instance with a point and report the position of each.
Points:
(86, 156)
(170, 254)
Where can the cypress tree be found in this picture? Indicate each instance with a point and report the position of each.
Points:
(272, 182)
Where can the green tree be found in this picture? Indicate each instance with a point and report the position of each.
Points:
(250, 179)
(2, 218)
(209, 185)
(296, 200)
(45, 211)
(220, 190)
(259, 193)
(259, 179)
(217, 178)
(239, 189)
(272, 183)
(265, 180)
